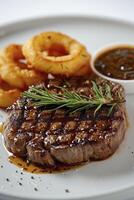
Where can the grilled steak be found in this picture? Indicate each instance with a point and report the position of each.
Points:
(46, 136)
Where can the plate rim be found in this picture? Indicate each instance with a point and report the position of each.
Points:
(31, 19)
(24, 22)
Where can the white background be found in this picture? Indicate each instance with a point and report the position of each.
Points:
(18, 9)
(12, 10)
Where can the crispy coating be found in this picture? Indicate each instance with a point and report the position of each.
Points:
(8, 95)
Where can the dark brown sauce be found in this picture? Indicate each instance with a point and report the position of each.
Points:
(117, 63)
(31, 168)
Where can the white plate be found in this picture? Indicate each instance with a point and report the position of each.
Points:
(112, 178)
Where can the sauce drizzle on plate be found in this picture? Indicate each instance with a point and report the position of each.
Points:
(31, 168)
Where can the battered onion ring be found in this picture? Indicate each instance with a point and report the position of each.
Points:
(57, 53)
(8, 95)
(14, 71)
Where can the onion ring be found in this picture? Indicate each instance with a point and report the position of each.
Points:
(7, 98)
(56, 53)
(14, 70)
(8, 95)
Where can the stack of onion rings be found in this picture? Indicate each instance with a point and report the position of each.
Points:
(47, 53)
(57, 53)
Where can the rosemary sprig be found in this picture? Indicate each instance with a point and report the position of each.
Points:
(75, 102)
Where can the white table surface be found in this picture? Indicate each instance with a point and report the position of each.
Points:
(12, 10)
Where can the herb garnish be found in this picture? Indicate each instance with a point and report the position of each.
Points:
(74, 101)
